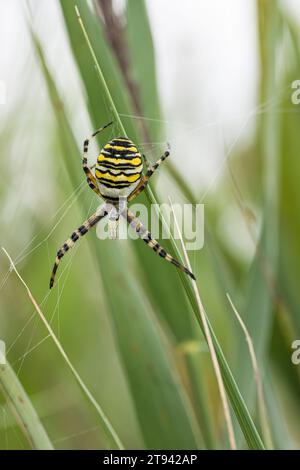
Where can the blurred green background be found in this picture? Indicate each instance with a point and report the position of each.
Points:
(124, 317)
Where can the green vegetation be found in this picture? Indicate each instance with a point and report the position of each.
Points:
(125, 324)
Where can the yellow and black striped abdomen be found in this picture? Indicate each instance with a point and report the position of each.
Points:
(119, 167)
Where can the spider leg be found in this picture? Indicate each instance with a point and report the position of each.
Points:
(91, 180)
(145, 179)
(145, 235)
(82, 230)
(146, 161)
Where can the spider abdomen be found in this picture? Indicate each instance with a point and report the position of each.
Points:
(119, 167)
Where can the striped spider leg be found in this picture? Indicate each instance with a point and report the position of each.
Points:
(118, 179)
(76, 235)
(145, 160)
(140, 229)
(93, 219)
(90, 178)
(145, 179)
(145, 235)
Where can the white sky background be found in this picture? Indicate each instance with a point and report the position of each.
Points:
(207, 69)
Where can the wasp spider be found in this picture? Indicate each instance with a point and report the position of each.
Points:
(118, 177)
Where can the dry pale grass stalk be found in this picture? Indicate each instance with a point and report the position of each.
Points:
(259, 387)
(112, 437)
(210, 344)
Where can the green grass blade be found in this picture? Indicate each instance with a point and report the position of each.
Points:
(239, 406)
(260, 300)
(142, 64)
(142, 60)
(164, 412)
(237, 402)
(194, 362)
(101, 108)
(111, 436)
(165, 415)
(168, 298)
(112, 106)
(262, 409)
(23, 409)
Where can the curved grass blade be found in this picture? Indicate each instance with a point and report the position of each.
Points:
(168, 298)
(111, 435)
(142, 60)
(23, 409)
(210, 344)
(164, 412)
(262, 407)
(238, 404)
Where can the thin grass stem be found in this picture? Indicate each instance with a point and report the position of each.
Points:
(100, 74)
(263, 414)
(210, 343)
(113, 439)
(23, 409)
(246, 423)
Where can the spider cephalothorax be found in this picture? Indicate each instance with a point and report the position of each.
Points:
(118, 177)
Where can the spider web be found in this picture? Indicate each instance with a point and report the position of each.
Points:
(38, 241)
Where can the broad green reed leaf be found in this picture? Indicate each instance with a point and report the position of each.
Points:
(239, 406)
(289, 258)
(97, 103)
(270, 313)
(287, 323)
(69, 145)
(163, 410)
(143, 65)
(111, 436)
(23, 409)
(258, 306)
(155, 384)
(277, 420)
(195, 364)
(142, 61)
(142, 70)
(168, 298)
